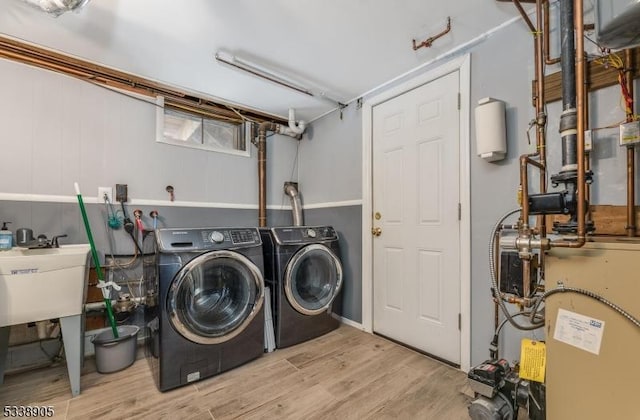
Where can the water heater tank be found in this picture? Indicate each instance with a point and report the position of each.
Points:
(491, 135)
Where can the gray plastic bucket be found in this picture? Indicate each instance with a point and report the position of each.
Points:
(114, 354)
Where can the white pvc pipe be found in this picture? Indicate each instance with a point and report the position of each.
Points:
(296, 128)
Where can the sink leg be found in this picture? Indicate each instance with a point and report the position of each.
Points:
(72, 339)
(4, 348)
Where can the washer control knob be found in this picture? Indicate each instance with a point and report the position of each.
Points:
(311, 233)
(216, 237)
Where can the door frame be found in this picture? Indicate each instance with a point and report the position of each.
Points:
(463, 66)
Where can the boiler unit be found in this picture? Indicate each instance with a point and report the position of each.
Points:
(592, 347)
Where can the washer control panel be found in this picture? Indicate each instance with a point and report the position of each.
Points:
(305, 234)
(204, 239)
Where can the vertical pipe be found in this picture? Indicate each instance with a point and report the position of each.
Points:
(587, 155)
(525, 160)
(262, 170)
(542, 48)
(580, 103)
(262, 163)
(568, 64)
(580, 114)
(546, 35)
(262, 181)
(568, 60)
(631, 152)
(541, 118)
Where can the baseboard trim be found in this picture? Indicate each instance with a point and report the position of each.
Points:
(351, 323)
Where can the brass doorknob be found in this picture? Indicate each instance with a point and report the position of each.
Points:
(376, 231)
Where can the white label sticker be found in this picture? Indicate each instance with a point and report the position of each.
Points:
(579, 331)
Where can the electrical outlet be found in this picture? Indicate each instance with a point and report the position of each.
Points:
(105, 190)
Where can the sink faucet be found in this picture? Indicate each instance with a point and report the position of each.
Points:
(54, 241)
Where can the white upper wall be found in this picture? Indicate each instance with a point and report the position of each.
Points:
(58, 130)
(331, 159)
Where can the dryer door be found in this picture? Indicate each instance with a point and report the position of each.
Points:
(215, 296)
(313, 279)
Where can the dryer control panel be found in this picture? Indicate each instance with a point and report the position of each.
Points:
(207, 239)
(304, 234)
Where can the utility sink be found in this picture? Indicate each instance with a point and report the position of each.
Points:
(42, 283)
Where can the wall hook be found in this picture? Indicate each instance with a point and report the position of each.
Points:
(170, 191)
(429, 41)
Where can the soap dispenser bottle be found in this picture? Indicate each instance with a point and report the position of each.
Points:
(6, 237)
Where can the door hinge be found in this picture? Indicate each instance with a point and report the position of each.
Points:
(459, 211)
(459, 100)
(459, 322)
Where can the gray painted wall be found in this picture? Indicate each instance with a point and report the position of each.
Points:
(347, 220)
(64, 218)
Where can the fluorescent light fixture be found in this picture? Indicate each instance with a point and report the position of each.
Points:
(270, 75)
(57, 7)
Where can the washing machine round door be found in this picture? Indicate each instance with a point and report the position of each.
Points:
(313, 279)
(215, 296)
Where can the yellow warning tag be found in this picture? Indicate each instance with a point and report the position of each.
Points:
(533, 360)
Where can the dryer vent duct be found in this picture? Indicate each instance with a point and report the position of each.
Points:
(291, 189)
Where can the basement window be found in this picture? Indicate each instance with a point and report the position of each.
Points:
(196, 130)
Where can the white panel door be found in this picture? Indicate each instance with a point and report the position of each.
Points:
(416, 194)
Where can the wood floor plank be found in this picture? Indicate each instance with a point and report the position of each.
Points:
(364, 401)
(299, 404)
(346, 374)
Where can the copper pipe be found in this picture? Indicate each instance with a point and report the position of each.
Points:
(545, 34)
(541, 118)
(542, 48)
(43, 64)
(631, 196)
(526, 281)
(518, 301)
(526, 160)
(631, 152)
(587, 155)
(262, 170)
(429, 41)
(94, 73)
(580, 103)
(524, 15)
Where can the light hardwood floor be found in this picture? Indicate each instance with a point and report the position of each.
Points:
(346, 374)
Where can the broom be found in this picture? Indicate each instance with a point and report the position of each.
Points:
(105, 289)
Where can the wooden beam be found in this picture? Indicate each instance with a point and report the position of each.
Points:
(608, 220)
(598, 77)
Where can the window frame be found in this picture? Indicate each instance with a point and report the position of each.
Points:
(243, 127)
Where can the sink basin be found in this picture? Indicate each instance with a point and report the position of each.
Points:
(44, 283)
